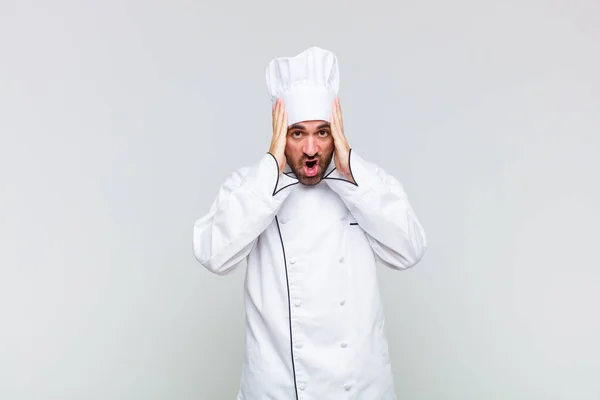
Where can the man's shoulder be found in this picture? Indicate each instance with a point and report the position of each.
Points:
(263, 163)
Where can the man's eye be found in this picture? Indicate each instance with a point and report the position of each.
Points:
(297, 133)
(324, 133)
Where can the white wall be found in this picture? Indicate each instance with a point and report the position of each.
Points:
(120, 119)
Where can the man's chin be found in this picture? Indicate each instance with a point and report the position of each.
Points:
(310, 180)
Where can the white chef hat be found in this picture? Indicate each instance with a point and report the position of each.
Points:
(307, 83)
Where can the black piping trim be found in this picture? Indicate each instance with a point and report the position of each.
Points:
(287, 281)
(355, 183)
(350, 168)
(289, 175)
(341, 179)
(353, 223)
(277, 168)
(330, 172)
(275, 191)
(291, 184)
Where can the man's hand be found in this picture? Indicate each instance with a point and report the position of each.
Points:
(279, 134)
(342, 148)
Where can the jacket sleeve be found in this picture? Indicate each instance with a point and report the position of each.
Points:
(380, 206)
(245, 205)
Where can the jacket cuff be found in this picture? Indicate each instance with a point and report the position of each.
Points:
(264, 180)
(365, 177)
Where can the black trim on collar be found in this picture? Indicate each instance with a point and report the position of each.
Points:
(291, 175)
(291, 184)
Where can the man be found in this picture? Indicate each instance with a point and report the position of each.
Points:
(311, 218)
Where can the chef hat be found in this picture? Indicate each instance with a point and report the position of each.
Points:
(307, 83)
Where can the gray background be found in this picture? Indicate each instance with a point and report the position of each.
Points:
(120, 119)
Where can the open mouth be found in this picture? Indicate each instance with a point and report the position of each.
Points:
(311, 168)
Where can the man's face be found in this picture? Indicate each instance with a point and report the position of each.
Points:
(309, 149)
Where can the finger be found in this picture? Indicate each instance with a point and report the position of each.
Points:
(281, 118)
(284, 125)
(277, 109)
(338, 118)
(341, 117)
(275, 105)
(334, 118)
(334, 127)
(337, 109)
(274, 112)
(276, 116)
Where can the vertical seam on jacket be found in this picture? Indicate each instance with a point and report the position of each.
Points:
(287, 281)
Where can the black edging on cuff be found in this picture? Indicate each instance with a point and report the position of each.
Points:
(350, 168)
(355, 183)
(275, 191)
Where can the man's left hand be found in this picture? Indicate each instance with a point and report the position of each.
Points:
(342, 148)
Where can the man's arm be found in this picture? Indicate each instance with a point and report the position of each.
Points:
(380, 206)
(245, 205)
(377, 201)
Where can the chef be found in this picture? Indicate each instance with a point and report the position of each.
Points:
(313, 220)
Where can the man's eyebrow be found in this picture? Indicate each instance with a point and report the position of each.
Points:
(297, 126)
(302, 127)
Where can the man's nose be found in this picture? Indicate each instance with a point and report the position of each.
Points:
(310, 147)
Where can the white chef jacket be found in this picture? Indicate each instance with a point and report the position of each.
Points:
(315, 327)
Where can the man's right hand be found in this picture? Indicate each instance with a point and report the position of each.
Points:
(279, 134)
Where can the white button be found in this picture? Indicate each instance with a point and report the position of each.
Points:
(299, 345)
(301, 385)
(343, 217)
(341, 259)
(297, 302)
(284, 220)
(342, 302)
(348, 387)
(292, 261)
(344, 345)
